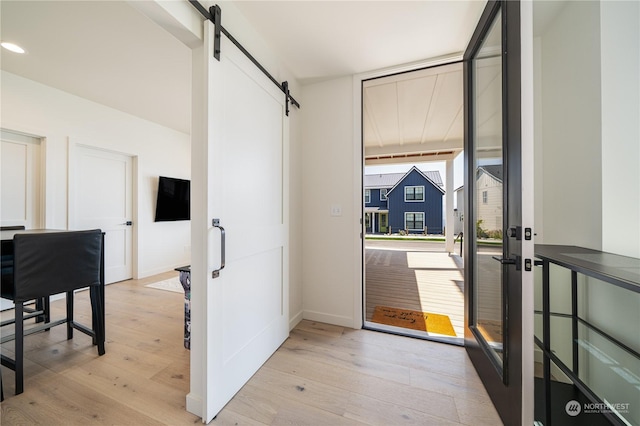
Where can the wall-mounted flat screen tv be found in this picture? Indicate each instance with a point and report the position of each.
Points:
(173, 199)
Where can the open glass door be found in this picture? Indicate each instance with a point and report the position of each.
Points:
(493, 256)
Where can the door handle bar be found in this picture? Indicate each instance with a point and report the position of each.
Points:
(504, 261)
(216, 224)
(509, 261)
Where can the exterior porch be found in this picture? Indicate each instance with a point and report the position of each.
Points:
(415, 275)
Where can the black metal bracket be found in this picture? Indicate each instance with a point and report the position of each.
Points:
(285, 89)
(216, 14)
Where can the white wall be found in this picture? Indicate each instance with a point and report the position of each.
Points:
(40, 110)
(330, 262)
(620, 69)
(571, 181)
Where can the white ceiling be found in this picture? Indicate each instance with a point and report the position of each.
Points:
(108, 52)
(321, 39)
(416, 116)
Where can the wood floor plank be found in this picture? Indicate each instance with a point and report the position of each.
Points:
(322, 375)
(375, 412)
(361, 383)
(303, 390)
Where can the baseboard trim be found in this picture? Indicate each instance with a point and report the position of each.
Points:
(328, 318)
(295, 320)
(194, 404)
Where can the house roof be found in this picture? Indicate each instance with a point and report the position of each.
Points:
(424, 175)
(389, 180)
(494, 171)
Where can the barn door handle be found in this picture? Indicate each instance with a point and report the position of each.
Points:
(216, 224)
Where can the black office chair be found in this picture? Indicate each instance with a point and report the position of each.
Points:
(6, 288)
(50, 263)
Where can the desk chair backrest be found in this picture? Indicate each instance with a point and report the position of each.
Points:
(51, 263)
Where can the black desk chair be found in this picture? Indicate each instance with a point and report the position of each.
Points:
(6, 290)
(50, 263)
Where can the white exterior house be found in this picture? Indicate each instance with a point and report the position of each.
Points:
(489, 197)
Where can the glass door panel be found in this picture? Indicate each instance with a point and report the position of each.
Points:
(493, 179)
(487, 134)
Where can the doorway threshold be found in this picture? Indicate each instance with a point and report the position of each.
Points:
(407, 332)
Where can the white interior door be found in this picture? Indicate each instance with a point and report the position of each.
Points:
(20, 180)
(247, 305)
(101, 197)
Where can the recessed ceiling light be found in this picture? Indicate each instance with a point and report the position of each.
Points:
(12, 47)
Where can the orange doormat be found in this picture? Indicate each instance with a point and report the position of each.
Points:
(406, 318)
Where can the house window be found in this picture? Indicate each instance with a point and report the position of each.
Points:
(414, 193)
(383, 194)
(414, 221)
(485, 197)
(367, 196)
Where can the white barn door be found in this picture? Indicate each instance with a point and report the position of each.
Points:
(246, 310)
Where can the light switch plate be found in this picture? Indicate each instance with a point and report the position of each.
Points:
(336, 210)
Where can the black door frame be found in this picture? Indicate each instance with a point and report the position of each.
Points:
(504, 387)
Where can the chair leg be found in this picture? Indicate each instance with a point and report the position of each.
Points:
(69, 315)
(19, 347)
(47, 310)
(97, 316)
(39, 307)
(44, 305)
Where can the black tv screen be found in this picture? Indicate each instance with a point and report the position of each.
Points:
(173, 199)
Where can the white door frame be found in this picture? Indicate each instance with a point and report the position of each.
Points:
(358, 168)
(73, 145)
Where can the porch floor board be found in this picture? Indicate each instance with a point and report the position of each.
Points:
(415, 275)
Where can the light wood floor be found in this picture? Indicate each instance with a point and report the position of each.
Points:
(322, 375)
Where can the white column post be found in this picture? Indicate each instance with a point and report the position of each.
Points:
(448, 241)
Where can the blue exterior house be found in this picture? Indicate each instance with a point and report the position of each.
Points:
(410, 202)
